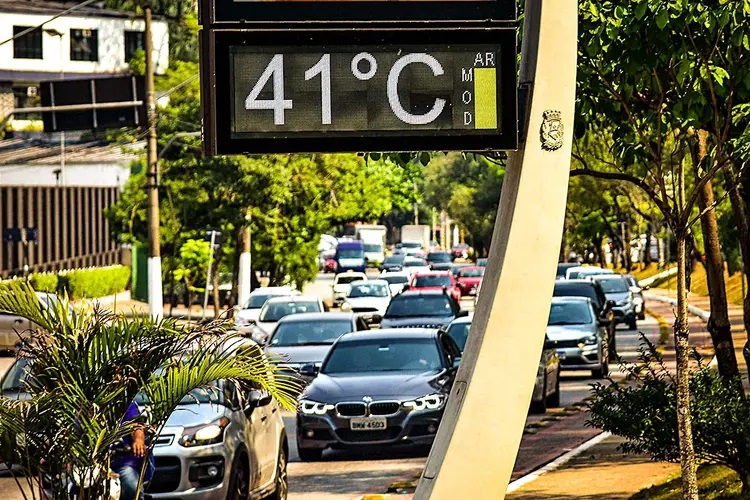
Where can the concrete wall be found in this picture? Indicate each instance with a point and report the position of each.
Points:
(111, 41)
(82, 174)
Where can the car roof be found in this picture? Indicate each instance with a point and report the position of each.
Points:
(350, 244)
(349, 272)
(267, 290)
(293, 298)
(607, 277)
(405, 274)
(573, 282)
(370, 282)
(389, 333)
(568, 298)
(416, 293)
(317, 316)
(432, 273)
(472, 266)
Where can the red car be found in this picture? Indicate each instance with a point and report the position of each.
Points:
(436, 280)
(469, 279)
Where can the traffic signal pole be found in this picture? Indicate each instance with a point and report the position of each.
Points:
(155, 297)
(479, 436)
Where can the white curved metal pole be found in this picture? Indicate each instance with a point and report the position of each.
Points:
(476, 446)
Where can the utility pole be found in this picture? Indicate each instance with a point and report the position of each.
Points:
(244, 282)
(155, 298)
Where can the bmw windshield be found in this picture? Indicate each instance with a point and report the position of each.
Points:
(378, 355)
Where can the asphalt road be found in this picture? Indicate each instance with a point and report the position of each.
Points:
(345, 475)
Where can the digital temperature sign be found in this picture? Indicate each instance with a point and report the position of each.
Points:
(376, 89)
(366, 97)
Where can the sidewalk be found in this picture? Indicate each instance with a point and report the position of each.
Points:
(583, 477)
(700, 306)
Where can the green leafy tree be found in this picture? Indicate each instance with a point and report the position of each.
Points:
(664, 78)
(467, 187)
(86, 367)
(191, 265)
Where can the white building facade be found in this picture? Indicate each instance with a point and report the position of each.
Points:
(86, 43)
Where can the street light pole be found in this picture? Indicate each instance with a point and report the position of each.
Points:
(59, 35)
(155, 297)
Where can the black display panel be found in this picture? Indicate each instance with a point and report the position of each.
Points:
(244, 11)
(386, 93)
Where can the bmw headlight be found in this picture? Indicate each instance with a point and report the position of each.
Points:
(309, 407)
(203, 435)
(638, 299)
(346, 307)
(429, 402)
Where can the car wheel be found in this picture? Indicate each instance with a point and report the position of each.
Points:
(632, 324)
(239, 481)
(554, 399)
(540, 407)
(282, 479)
(310, 454)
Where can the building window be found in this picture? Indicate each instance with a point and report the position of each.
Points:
(133, 41)
(84, 45)
(29, 45)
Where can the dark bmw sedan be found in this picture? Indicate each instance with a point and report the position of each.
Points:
(378, 387)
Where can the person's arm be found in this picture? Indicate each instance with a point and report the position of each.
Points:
(139, 443)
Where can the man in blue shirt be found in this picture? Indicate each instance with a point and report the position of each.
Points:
(129, 465)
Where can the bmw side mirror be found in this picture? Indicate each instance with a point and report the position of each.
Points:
(309, 370)
(603, 321)
(462, 314)
(549, 344)
(457, 362)
(376, 318)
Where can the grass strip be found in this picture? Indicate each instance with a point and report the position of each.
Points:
(715, 482)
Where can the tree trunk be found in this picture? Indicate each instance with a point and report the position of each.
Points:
(741, 219)
(215, 284)
(628, 249)
(647, 246)
(719, 325)
(684, 419)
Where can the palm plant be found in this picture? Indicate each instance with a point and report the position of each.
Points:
(86, 367)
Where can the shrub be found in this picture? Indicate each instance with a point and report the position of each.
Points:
(44, 282)
(645, 414)
(94, 282)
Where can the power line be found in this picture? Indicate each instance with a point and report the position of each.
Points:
(65, 12)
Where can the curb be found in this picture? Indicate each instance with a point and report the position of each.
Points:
(557, 463)
(694, 310)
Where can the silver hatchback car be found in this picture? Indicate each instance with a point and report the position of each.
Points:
(211, 448)
(214, 448)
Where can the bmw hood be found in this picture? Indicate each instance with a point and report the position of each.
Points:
(378, 386)
(416, 321)
(570, 332)
(299, 354)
